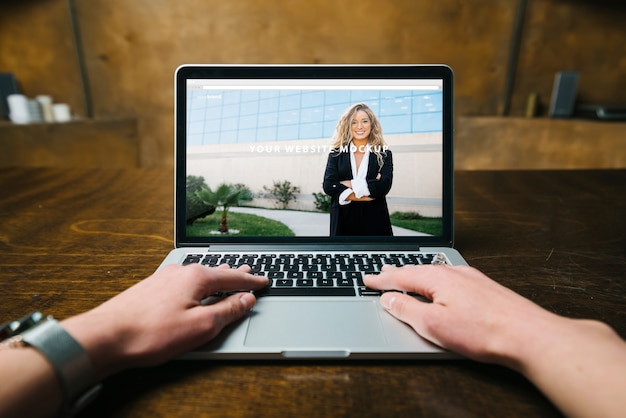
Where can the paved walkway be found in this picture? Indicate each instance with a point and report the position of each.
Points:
(307, 224)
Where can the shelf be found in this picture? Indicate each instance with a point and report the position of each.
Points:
(484, 143)
(84, 143)
(481, 143)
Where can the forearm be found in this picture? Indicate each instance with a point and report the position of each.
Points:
(349, 195)
(29, 383)
(580, 366)
(352, 198)
(331, 183)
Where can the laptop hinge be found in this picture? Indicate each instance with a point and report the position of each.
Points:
(344, 247)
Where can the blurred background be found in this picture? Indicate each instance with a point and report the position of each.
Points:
(112, 62)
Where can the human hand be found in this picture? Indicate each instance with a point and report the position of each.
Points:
(352, 197)
(162, 316)
(473, 315)
(469, 313)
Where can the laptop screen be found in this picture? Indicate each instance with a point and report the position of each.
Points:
(314, 154)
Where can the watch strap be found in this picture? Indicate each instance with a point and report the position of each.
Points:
(68, 358)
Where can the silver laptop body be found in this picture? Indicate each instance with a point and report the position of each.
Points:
(266, 131)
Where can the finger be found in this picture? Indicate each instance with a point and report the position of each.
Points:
(411, 311)
(245, 268)
(418, 279)
(224, 279)
(227, 311)
(232, 280)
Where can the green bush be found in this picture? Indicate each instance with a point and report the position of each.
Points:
(322, 202)
(282, 192)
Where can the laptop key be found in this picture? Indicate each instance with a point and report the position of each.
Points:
(366, 291)
(354, 275)
(191, 260)
(274, 267)
(328, 267)
(345, 282)
(321, 282)
(295, 274)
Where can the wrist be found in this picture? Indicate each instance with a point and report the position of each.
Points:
(104, 348)
(539, 342)
(517, 341)
(343, 197)
(68, 359)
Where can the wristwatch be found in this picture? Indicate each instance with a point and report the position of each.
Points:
(68, 358)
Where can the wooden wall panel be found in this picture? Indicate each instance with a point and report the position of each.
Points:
(135, 46)
(583, 35)
(132, 48)
(36, 45)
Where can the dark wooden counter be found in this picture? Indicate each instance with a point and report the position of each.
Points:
(71, 239)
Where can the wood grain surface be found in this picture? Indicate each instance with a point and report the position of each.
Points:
(71, 239)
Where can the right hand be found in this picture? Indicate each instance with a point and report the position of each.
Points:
(469, 314)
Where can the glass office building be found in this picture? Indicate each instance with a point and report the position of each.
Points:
(243, 116)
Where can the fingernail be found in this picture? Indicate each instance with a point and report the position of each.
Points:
(387, 300)
(247, 300)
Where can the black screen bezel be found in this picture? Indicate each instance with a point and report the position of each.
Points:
(334, 72)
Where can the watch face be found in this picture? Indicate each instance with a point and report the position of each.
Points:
(12, 328)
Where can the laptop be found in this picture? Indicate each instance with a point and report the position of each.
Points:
(258, 160)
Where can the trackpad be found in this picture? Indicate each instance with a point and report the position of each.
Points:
(324, 324)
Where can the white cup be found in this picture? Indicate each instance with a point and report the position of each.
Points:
(18, 108)
(61, 112)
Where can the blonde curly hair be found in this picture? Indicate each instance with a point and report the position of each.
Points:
(343, 134)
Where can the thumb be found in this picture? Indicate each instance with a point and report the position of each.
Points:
(226, 311)
(410, 311)
(400, 306)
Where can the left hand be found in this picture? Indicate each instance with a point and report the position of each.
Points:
(162, 316)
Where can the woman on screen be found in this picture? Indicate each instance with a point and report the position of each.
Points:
(358, 175)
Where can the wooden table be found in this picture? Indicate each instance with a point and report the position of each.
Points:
(71, 239)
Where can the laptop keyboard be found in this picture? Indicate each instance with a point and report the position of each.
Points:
(307, 274)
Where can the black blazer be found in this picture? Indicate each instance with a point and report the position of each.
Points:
(359, 218)
(338, 169)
